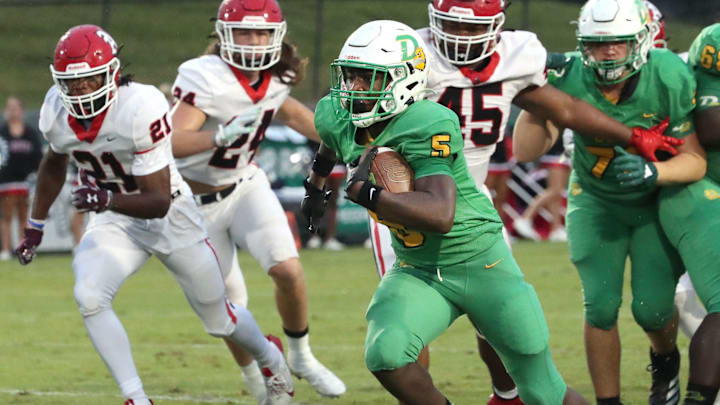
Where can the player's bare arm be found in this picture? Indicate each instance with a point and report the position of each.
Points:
(51, 178)
(187, 138)
(707, 125)
(298, 117)
(687, 166)
(154, 198)
(533, 137)
(570, 112)
(431, 207)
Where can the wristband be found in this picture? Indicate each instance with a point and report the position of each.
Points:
(38, 224)
(322, 165)
(369, 195)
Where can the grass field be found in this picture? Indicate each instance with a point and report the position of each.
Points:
(46, 357)
(159, 35)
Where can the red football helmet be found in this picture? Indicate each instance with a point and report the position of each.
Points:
(250, 15)
(84, 51)
(465, 49)
(659, 40)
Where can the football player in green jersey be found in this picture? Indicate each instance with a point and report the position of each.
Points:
(612, 201)
(452, 259)
(690, 216)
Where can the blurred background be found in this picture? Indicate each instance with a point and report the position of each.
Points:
(158, 35)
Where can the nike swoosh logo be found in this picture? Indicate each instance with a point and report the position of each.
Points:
(645, 115)
(110, 138)
(372, 191)
(490, 266)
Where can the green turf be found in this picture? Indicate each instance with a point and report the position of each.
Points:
(159, 35)
(48, 359)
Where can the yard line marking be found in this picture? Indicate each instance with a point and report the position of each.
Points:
(187, 398)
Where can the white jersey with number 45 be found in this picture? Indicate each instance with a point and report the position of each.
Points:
(482, 99)
(131, 138)
(222, 92)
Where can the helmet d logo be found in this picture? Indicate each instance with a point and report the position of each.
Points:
(403, 39)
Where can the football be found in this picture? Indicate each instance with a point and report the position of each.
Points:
(391, 171)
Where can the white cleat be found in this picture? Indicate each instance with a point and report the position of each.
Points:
(333, 244)
(325, 382)
(559, 234)
(525, 229)
(314, 242)
(278, 380)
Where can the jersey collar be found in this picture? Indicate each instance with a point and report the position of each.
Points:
(255, 95)
(90, 134)
(483, 75)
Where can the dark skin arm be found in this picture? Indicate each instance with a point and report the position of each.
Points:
(707, 127)
(152, 202)
(50, 180)
(567, 111)
(431, 207)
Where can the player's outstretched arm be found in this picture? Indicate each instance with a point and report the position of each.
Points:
(154, 198)
(298, 117)
(532, 137)
(570, 112)
(707, 125)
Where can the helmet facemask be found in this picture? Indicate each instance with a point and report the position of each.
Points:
(464, 49)
(250, 57)
(615, 71)
(92, 104)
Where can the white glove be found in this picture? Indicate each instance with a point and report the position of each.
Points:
(244, 123)
(568, 143)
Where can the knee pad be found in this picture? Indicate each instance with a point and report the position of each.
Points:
(391, 348)
(652, 316)
(90, 300)
(218, 323)
(235, 288)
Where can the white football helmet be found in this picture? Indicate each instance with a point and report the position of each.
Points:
(392, 56)
(613, 21)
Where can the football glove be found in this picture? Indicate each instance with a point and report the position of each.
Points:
(245, 123)
(367, 194)
(87, 196)
(648, 141)
(634, 170)
(26, 249)
(314, 203)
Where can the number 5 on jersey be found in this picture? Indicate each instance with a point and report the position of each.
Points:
(440, 145)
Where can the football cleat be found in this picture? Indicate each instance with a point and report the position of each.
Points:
(278, 380)
(144, 401)
(664, 370)
(496, 400)
(325, 382)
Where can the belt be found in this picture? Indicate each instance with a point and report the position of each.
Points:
(202, 199)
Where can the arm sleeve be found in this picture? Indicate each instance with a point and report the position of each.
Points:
(151, 134)
(47, 118)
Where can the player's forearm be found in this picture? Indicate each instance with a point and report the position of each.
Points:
(707, 127)
(186, 143)
(420, 210)
(50, 181)
(145, 205)
(591, 122)
(532, 137)
(686, 167)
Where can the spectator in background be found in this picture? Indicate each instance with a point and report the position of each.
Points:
(558, 172)
(21, 155)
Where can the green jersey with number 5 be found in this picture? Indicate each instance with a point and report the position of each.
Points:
(428, 136)
(663, 88)
(704, 59)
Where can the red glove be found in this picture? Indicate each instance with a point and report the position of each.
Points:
(87, 196)
(31, 240)
(648, 141)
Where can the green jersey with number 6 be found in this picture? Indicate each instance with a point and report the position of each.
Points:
(704, 58)
(663, 88)
(428, 136)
